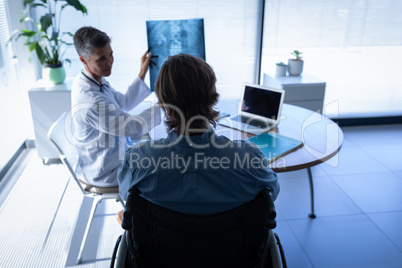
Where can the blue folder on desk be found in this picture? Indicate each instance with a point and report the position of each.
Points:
(274, 145)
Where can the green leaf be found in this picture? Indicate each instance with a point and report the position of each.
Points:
(66, 43)
(26, 2)
(48, 56)
(78, 6)
(55, 36)
(38, 5)
(24, 14)
(47, 41)
(32, 46)
(40, 53)
(13, 35)
(27, 33)
(44, 36)
(46, 21)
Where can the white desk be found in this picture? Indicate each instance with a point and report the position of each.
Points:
(304, 91)
(48, 102)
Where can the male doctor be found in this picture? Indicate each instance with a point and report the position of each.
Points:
(100, 113)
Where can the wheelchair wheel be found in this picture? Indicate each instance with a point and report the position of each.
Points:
(274, 251)
(122, 253)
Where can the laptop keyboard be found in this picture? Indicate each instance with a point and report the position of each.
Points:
(248, 120)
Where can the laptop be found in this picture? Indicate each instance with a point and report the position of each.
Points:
(259, 110)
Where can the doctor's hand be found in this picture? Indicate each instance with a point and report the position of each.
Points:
(145, 59)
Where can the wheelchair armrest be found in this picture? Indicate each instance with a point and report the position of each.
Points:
(271, 224)
(271, 211)
(127, 223)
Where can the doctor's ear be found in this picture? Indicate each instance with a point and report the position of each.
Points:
(83, 60)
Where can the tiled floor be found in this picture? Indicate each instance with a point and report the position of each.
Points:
(358, 205)
(358, 198)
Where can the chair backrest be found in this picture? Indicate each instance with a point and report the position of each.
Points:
(166, 238)
(61, 134)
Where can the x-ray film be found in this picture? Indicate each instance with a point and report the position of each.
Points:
(171, 37)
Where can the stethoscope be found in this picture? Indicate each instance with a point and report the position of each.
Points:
(101, 86)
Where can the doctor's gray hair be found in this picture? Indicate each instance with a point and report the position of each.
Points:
(87, 38)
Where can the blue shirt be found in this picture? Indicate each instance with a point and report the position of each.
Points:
(196, 175)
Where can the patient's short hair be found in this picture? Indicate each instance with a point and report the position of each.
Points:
(186, 90)
(87, 38)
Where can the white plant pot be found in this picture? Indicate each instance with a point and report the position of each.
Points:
(281, 70)
(295, 67)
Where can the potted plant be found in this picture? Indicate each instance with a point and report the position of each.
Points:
(281, 69)
(296, 65)
(46, 38)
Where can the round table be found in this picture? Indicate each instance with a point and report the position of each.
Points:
(321, 136)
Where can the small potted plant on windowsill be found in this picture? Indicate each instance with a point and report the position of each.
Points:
(281, 69)
(295, 65)
(45, 38)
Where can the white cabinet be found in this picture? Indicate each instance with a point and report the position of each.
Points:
(48, 102)
(305, 91)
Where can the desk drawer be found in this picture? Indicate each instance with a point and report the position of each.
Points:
(304, 92)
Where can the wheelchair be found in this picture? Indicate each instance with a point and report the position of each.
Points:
(158, 237)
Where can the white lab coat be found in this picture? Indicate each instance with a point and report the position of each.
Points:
(101, 125)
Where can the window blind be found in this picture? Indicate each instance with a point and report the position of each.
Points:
(4, 34)
(12, 103)
(230, 36)
(355, 46)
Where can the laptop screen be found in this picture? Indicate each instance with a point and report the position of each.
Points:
(261, 102)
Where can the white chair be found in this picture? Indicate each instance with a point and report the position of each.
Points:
(61, 134)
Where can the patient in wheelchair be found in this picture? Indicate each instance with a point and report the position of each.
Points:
(194, 170)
